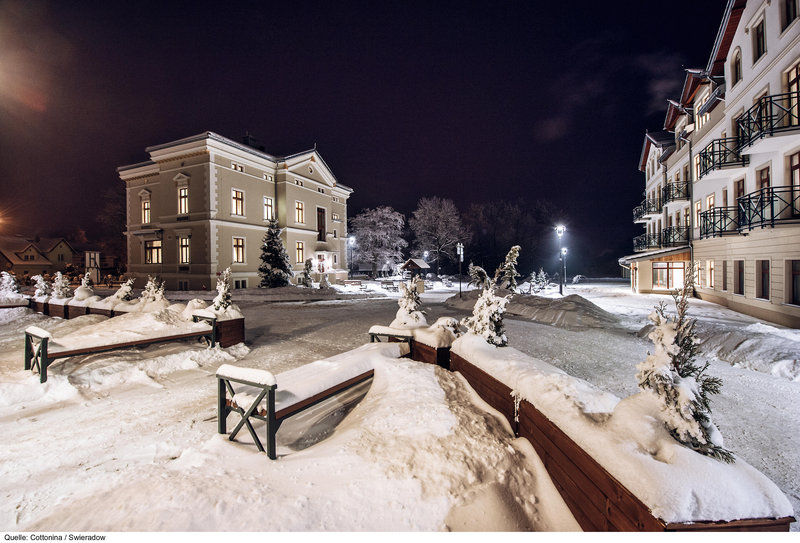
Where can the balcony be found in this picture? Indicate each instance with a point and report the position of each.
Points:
(648, 208)
(645, 242)
(770, 116)
(721, 153)
(674, 192)
(719, 221)
(675, 236)
(769, 206)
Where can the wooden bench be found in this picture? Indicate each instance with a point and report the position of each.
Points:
(38, 356)
(389, 285)
(355, 283)
(395, 336)
(257, 395)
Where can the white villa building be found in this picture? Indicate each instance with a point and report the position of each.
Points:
(202, 204)
(722, 180)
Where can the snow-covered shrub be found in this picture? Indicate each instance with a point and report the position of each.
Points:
(153, 290)
(304, 279)
(223, 299)
(8, 284)
(477, 276)
(61, 286)
(125, 291)
(487, 317)
(506, 275)
(409, 314)
(577, 279)
(275, 269)
(84, 291)
(681, 384)
(539, 281)
(42, 286)
(323, 282)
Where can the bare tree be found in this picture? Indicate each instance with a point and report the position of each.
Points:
(379, 236)
(438, 227)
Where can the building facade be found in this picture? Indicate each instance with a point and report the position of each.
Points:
(202, 204)
(722, 180)
(26, 257)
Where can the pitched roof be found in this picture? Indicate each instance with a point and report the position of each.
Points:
(725, 34)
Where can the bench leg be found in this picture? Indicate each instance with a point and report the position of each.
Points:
(272, 425)
(28, 351)
(222, 408)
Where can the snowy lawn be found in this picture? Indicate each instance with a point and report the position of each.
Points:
(133, 433)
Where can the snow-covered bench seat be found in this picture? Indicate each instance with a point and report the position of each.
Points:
(258, 394)
(41, 349)
(391, 334)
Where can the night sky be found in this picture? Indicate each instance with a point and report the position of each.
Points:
(466, 100)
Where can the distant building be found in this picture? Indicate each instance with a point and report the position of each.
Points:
(202, 203)
(26, 257)
(722, 180)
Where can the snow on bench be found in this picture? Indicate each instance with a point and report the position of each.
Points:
(273, 398)
(42, 349)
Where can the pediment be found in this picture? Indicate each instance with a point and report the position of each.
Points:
(311, 166)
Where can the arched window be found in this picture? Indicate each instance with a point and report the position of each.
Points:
(736, 67)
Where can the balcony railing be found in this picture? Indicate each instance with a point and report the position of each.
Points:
(771, 114)
(768, 206)
(675, 236)
(646, 242)
(649, 206)
(719, 221)
(719, 154)
(675, 191)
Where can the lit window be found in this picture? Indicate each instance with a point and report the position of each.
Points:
(237, 202)
(299, 253)
(701, 119)
(152, 252)
(183, 249)
(268, 209)
(267, 177)
(237, 167)
(697, 209)
(145, 211)
(759, 40)
(298, 182)
(710, 201)
(299, 213)
(335, 216)
(238, 250)
(183, 200)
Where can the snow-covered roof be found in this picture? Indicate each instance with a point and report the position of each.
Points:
(12, 246)
(417, 262)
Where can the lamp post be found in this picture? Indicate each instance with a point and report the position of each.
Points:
(460, 251)
(564, 264)
(560, 229)
(350, 242)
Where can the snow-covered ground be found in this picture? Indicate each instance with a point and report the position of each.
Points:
(133, 433)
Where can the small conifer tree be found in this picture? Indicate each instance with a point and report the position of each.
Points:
(86, 281)
(409, 297)
(153, 290)
(61, 286)
(487, 317)
(275, 269)
(125, 291)
(506, 275)
(304, 279)
(8, 284)
(477, 276)
(223, 298)
(681, 383)
(42, 286)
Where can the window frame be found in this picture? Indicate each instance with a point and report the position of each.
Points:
(184, 250)
(153, 251)
(183, 200)
(299, 252)
(299, 212)
(239, 255)
(269, 208)
(237, 203)
(759, 40)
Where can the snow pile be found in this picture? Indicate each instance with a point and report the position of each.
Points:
(572, 312)
(84, 292)
(441, 333)
(628, 438)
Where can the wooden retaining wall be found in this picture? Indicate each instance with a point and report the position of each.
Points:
(597, 500)
(432, 355)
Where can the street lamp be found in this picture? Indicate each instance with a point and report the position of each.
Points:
(562, 253)
(425, 256)
(564, 263)
(350, 242)
(460, 252)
